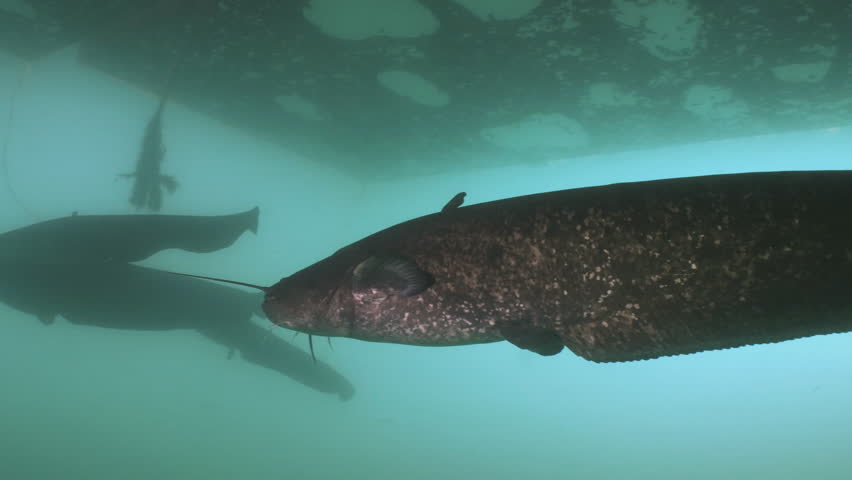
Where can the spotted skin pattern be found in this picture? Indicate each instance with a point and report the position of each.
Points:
(618, 272)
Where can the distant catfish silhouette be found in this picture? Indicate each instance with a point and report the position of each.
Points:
(130, 297)
(148, 179)
(122, 238)
(76, 267)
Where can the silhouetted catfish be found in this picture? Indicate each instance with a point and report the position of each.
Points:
(618, 272)
(129, 297)
(122, 238)
(148, 179)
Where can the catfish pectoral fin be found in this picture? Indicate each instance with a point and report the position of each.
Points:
(387, 275)
(530, 337)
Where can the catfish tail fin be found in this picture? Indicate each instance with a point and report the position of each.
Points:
(253, 219)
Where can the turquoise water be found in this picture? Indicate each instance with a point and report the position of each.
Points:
(89, 403)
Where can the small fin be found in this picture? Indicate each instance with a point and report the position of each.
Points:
(454, 202)
(391, 275)
(169, 182)
(529, 337)
(47, 318)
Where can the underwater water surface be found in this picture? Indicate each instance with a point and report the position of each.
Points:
(91, 403)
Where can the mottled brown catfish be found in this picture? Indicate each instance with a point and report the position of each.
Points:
(616, 273)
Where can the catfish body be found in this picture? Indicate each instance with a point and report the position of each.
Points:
(128, 297)
(618, 272)
(148, 180)
(122, 238)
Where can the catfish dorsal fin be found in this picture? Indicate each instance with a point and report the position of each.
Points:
(233, 282)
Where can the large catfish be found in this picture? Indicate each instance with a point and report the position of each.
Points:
(618, 272)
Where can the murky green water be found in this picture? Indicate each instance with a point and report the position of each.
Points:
(83, 402)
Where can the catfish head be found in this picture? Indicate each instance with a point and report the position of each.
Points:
(305, 302)
(344, 295)
(330, 297)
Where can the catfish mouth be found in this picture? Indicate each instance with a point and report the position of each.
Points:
(301, 325)
(310, 331)
(310, 317)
